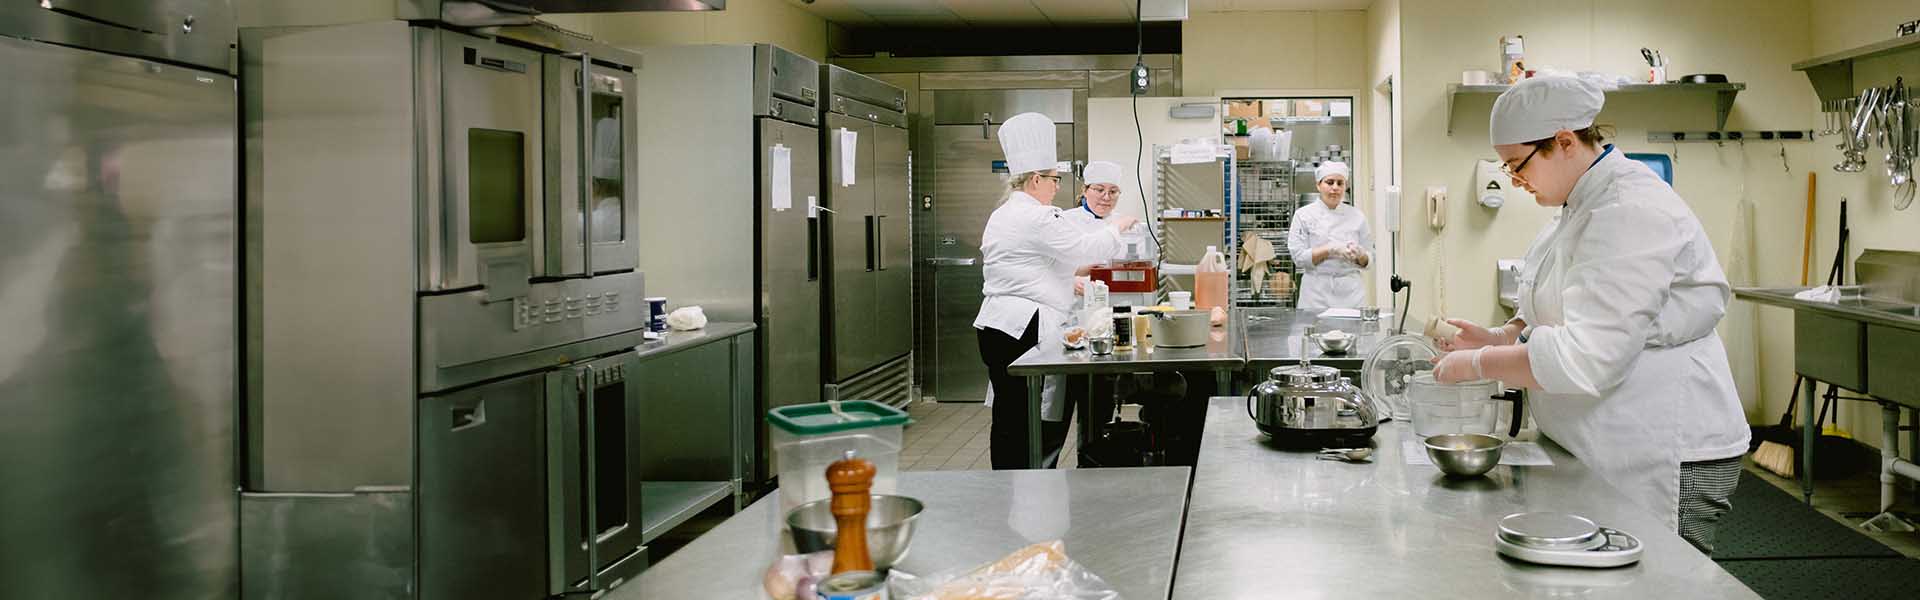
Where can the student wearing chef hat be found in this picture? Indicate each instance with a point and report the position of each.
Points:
(1330, 244)
(1030, 251)
(1619, 296)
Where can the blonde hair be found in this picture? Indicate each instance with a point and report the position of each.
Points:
(1017, 183)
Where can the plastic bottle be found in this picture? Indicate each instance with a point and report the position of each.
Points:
(1210, 280)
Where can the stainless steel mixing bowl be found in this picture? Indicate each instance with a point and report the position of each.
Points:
(1465, 454)
(889, 527)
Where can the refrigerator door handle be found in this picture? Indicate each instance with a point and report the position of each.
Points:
(590, 498)
(879, 242)
(870, 245)
(813, 247)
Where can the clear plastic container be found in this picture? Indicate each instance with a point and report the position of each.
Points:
(808, 437)
(1440, 408)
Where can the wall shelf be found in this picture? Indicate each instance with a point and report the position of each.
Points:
(1723, 95)
(1832, 74)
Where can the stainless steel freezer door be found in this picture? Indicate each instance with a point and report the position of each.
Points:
(790, 271)
(851, 234)
(483, 491)
(118, 218)
(893, 271)
(966, 190)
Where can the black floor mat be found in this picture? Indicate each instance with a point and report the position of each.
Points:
(1838, 578)
(1769, 523)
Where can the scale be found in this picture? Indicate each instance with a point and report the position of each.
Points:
(1562, 539)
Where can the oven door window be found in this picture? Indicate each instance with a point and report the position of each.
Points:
(609, 183)
(496, 186)
(609, 406)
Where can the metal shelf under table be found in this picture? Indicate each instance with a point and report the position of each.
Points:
(664, 505)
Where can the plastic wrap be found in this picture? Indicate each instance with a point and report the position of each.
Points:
(1038, 572)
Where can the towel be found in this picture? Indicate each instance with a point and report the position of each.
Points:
(1255, 251)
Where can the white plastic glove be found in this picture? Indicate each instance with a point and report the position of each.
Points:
(1335, 251)
(1355, 252)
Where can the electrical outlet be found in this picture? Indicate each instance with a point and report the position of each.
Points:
(1140, 78)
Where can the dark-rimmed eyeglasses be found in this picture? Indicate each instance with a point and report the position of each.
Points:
(1514, 170)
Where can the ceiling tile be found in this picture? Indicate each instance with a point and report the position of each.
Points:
(881, 9)
(1071, 12)
(838, 11)
(997, 12)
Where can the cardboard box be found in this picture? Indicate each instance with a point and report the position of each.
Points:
(1242, 148)
(1309, 108)
(1279, 109)
(1244, 108)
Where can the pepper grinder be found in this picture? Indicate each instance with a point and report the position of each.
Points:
(852, 482)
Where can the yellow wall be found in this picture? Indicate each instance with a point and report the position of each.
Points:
(743, 22)
(1272, 50)
(1382, 144)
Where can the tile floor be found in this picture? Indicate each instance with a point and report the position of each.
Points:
(953, 437)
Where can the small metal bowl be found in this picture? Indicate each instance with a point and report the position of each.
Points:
(1339, 345)
(1101, 346)
(889, 527)
(1465, 454)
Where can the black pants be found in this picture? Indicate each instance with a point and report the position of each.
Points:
(1008, 438)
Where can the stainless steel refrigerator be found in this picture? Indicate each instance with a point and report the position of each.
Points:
(118, 251)
(729, 176)
(870, 261)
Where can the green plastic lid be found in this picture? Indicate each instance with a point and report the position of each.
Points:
(820, 417)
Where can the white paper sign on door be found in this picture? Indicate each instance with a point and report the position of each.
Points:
(849, 145)
(1183, 154)
(782, 176)
(1340, 108)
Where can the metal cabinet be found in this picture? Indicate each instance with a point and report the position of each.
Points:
(481, 494)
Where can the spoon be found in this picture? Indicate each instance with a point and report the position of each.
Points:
(1352, 455)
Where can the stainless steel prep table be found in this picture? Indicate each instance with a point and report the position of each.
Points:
(1262, 520)
(1223, 354)
(1121, 524)
(1272, 338)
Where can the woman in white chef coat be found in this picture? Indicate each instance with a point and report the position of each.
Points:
(1619, 296)
(1330, 244)
(1030, 253)
(1099, 196)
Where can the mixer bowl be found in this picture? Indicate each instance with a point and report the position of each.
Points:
(890, 524)
(1465, 454)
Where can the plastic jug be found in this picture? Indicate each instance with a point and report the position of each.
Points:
(1210, 280)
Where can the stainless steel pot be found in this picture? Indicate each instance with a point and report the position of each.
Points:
(1307, 405)
(1180, 328)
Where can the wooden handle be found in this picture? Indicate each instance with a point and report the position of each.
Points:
(852, 482)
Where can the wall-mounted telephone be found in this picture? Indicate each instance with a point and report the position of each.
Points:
(1437, 206)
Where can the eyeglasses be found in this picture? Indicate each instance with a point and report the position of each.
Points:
(1514, 171)
(1103, 190)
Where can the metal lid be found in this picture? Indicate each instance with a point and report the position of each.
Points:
(1550, 531)
(1304, 375)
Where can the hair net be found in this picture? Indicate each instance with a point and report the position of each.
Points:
(1331, 168)
(1101, 171)
(1537, 108)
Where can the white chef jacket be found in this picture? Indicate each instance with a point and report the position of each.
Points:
(1030, 253)
(1336, 281)
(1088, 222)
(1621, 294)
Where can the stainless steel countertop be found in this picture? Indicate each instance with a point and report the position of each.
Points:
(1869, 310)
(1049, 357)
(676, 341)
(1272, 338)
(1121, 524)
(1263, 520)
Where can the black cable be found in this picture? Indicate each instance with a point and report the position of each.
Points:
(1139, 134)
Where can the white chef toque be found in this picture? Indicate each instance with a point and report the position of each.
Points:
(1538, 108)
(1101, 171)
(1027, 140)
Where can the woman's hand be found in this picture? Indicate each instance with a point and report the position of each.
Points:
(1124, 222)
(1455, 367)
(1472, 336)
(1079, 287)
